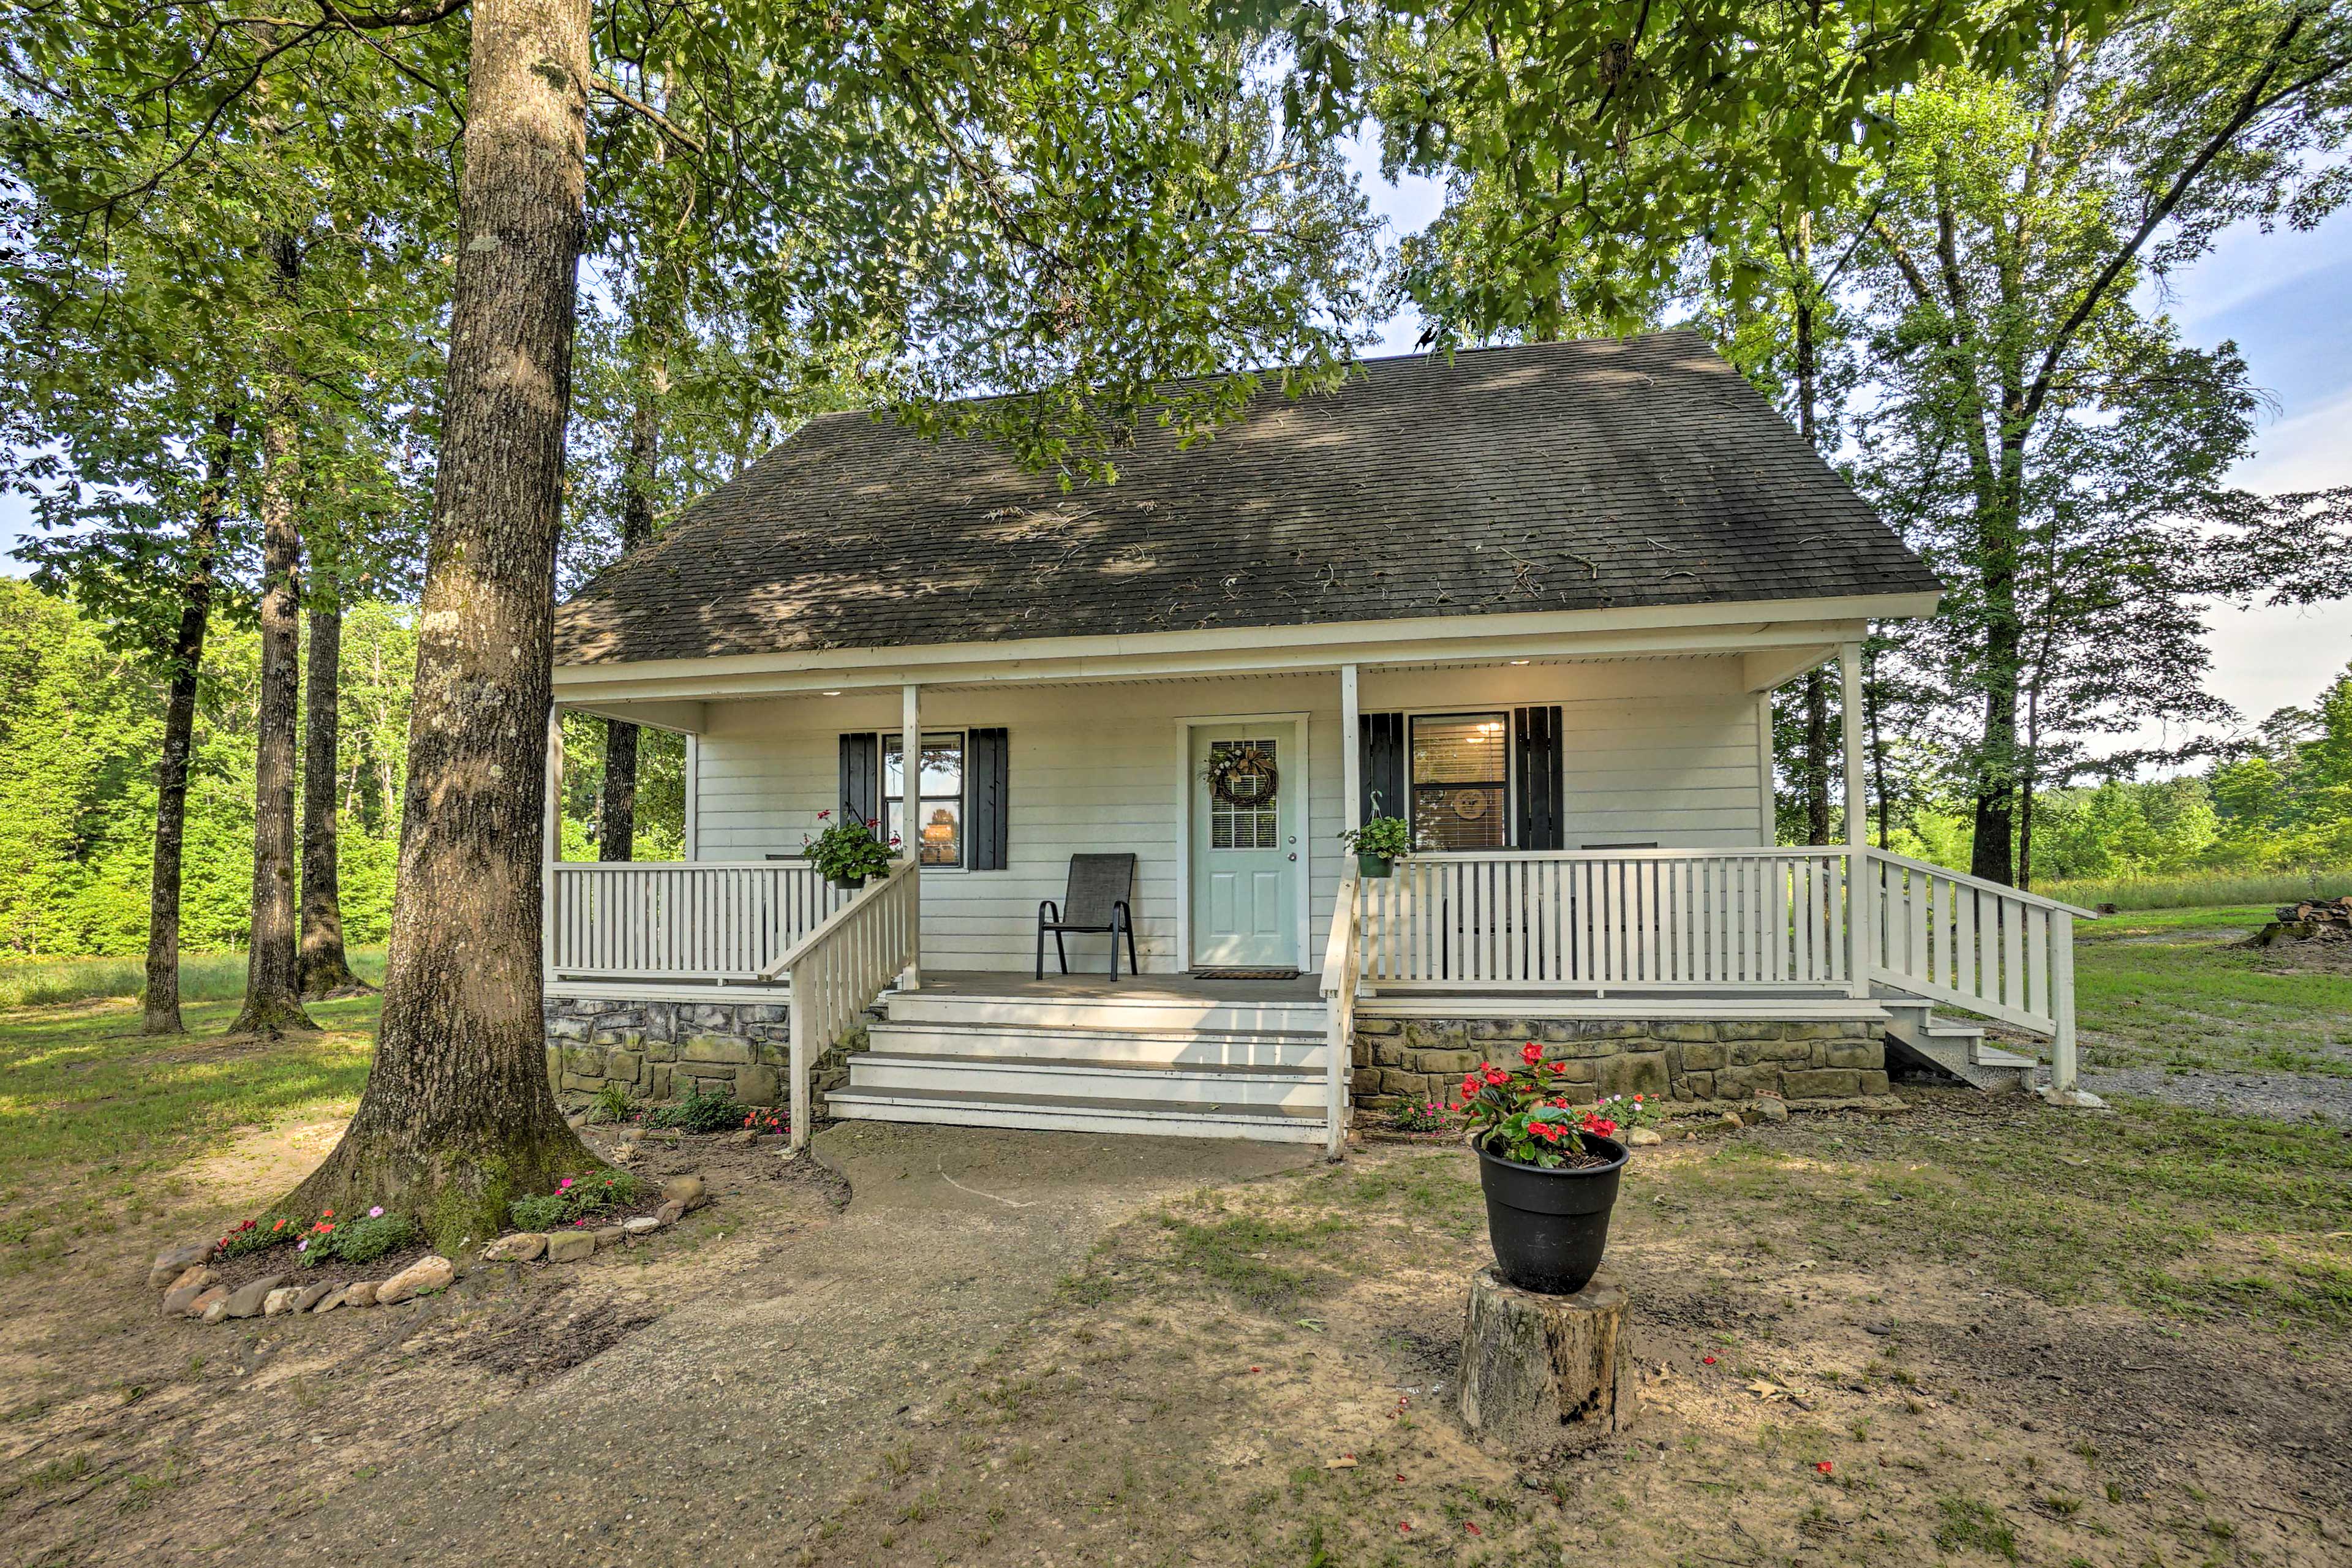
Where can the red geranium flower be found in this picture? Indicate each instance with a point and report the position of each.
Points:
(1824, 1467)
(1497, 1076)
(1531, 1053)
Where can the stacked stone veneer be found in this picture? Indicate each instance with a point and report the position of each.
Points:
(662, 1050)
(1420, 1060)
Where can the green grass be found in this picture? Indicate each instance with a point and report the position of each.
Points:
(2172, 989)
(204, 977)
(2201, 889)
(94, 1117)
(2171, 1210)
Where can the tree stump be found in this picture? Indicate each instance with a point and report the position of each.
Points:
(1543, 1374)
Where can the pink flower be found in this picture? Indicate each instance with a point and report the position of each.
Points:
(564, 1184)
(303, 1245)
(377, 1213)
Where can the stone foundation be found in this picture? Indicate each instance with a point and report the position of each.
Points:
(664, 1050)
(1402, 1060)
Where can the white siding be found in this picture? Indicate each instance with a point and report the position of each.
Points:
(1657, 751)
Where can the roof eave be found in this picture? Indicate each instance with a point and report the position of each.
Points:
(1727, 626)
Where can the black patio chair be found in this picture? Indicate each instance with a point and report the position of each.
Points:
(1095, 902)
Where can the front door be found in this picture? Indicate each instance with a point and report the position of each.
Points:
(1249, 797)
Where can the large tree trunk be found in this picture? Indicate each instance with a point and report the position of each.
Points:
(273, 1001)
(161, 999)
(326, 970)
(459, 1116)
(616, 834)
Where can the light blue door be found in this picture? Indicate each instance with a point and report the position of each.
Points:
(1247, 814)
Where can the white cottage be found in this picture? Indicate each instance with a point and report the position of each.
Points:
(1533, 599)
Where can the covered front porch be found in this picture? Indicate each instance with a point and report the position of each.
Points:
(1595, 815)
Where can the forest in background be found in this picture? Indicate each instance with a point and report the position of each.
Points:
(1929, 240)
(80, 723)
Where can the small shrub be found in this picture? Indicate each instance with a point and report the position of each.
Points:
(700, 1111)
(574, 1199)
(1429, 1117)
(255, 1236)
(361, 1239)
(610, 1104)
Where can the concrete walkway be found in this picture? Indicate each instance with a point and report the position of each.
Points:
(775, 1380)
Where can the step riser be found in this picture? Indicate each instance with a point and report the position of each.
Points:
(1168, 1126)
(1303, 1018)
(1956, 1058)
(1097, 1044)
(994, 1077)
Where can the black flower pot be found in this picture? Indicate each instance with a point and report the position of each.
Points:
(1370, 865)
(1550, 1227)
(849, 884)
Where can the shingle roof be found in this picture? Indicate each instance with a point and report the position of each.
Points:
(1557, 476)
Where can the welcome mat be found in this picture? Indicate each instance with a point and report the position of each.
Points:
(1244, 975)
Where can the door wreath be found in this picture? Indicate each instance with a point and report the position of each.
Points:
(1243, 775)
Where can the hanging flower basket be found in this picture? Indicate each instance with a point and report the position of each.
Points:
(846, 853)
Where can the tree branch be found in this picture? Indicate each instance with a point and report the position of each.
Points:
(2251, 103)
(660, 121)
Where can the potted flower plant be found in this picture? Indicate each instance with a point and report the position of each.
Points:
(845, 853)
(1379, 844)
(1550, 1168)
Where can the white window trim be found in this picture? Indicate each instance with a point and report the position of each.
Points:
(882, 741)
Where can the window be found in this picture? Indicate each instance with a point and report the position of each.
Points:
(939, 804)
(1460, 780)
(1245, 824)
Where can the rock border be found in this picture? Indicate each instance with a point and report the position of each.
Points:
(191, 1287)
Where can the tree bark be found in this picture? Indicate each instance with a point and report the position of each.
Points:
(273, 1002)
(1877, 740)
(326, 969)
(1544, 1374)
(459, 1116)
(616, 834)
(160, 1001)
(1817, 758)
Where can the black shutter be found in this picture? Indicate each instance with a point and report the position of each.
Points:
(861, 776)
(985, 766)
(1381, 740)
(1535, 733)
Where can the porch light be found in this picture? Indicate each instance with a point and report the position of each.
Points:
(828, 694)
(1520, 661)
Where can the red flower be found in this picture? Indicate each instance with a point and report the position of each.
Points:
(1497, 1076)
(1560, 1067)
(280, 1226)
(1824, 1467)
(326, 1213)
(1531, 1053)
(1472, 1528)
(1709, 1359)
(822, 815)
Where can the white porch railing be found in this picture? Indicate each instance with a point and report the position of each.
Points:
(693, 919)
(1725, 919)
(839, 968)
(1950, 937)
(1573, 920)
(1342, 970)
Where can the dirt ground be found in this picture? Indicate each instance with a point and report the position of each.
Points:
(1047, 1349)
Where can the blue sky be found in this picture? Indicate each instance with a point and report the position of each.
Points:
(2285, 297)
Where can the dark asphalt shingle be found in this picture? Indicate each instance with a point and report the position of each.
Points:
(1557, 476)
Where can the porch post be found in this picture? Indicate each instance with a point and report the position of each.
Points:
(551, 849)
(1862, 913)
(910, 789)
(1351, 749)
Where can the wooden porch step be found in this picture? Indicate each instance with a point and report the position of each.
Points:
(1957, 1050)
(1160, 1012)
(1166, 1119)
(1243, 1049)
(1082, 1078)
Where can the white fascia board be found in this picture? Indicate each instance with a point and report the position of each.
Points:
(1633, 632)
(1767, 669)
(679, 716)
